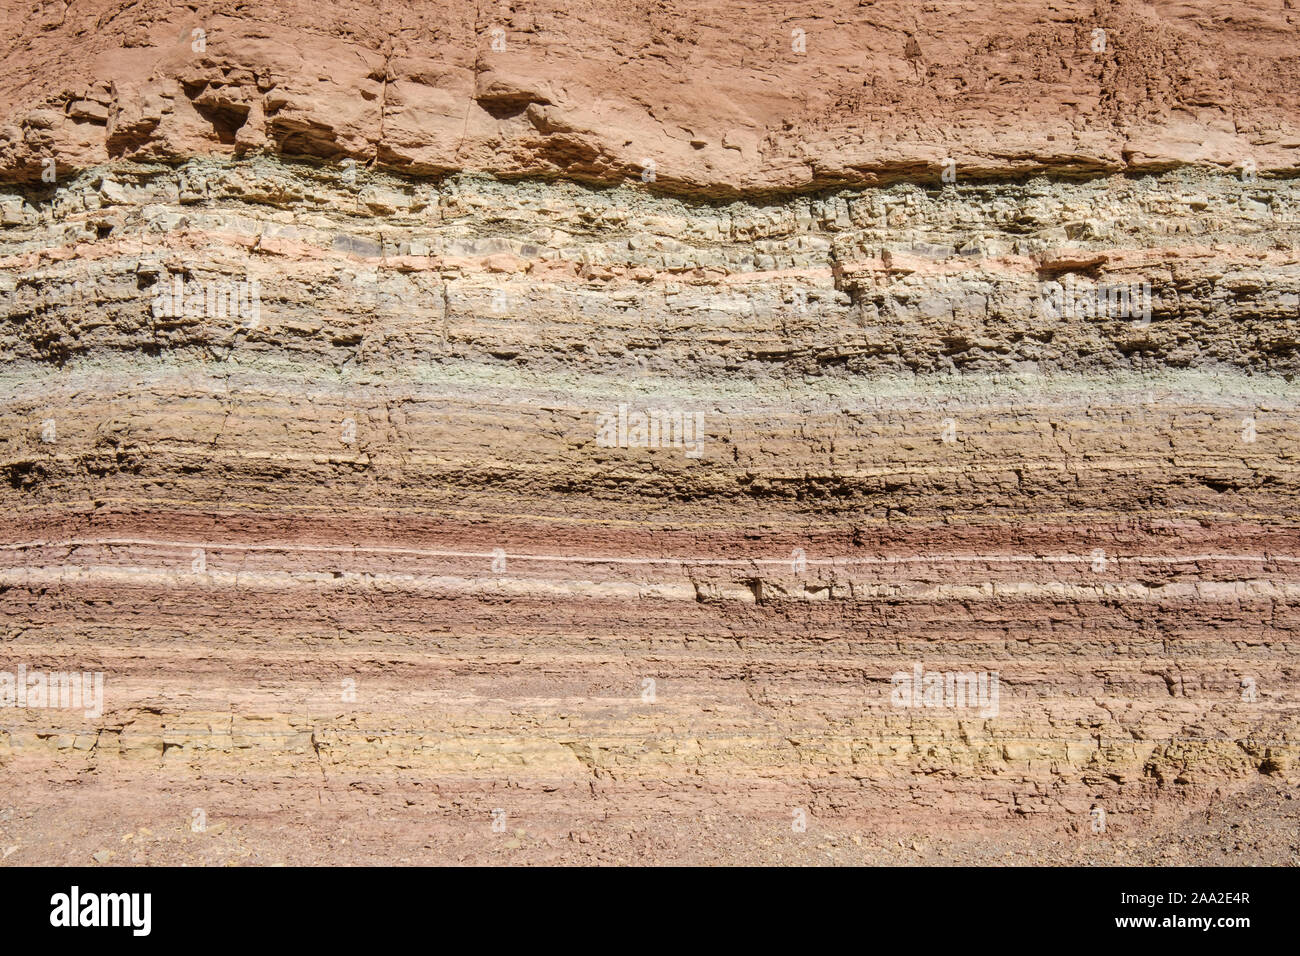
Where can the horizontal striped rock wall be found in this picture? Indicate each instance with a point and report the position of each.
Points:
(577, 432)
(378, 568)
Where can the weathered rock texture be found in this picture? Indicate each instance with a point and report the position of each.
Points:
(363, 577)
(717, 95)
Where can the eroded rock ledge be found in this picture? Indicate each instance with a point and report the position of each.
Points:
(714, 99)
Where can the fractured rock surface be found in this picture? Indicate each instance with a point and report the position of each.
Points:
(722, 97)
(430, 485)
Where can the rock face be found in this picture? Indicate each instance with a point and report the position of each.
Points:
(716, 98)
(612, 432)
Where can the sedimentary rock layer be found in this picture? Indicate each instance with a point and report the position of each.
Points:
(414, 512)
(718, 98)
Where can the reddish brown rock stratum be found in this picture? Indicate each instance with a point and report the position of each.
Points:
(650, 432)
